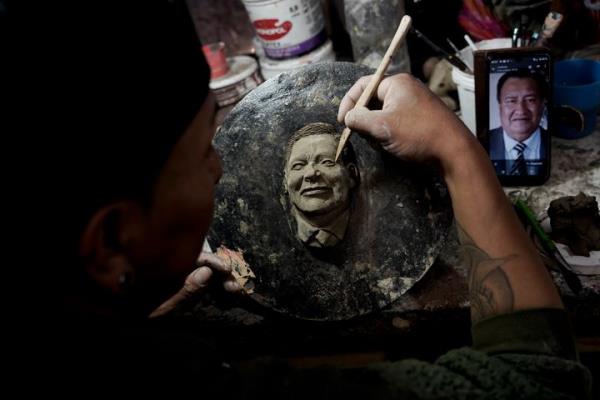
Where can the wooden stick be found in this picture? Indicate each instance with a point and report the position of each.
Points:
(371, 88)
(470, 42)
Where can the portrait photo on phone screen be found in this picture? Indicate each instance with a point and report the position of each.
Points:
(518, 138)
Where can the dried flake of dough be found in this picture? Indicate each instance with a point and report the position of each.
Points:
(239, 267)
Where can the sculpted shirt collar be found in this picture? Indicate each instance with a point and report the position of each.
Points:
(322, 237)
(532, 151)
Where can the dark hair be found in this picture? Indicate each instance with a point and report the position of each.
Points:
(119, 83)
(523, 74)
(321, 128)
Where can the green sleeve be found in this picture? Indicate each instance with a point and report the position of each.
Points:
(523, 355)
(545, 331)
(538, 348)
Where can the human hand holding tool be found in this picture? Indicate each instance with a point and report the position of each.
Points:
(371, 88)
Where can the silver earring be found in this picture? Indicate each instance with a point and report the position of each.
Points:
(125, 281)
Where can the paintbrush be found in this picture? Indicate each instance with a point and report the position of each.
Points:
(470, 42)
(456, 50)
(454, 60)
(369, 91)
(551, 24)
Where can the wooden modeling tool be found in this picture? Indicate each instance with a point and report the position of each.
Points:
(368, 93)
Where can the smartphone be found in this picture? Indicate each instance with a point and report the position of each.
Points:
(513, 97)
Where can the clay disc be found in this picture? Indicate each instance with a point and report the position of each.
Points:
(399, 220)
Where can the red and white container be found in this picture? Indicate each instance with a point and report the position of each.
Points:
(243, 76)
(287, 28)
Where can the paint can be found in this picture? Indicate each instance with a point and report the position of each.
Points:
(270, 68)
(242, 77)
(287, 28)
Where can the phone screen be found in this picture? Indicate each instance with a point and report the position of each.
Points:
(516, 132)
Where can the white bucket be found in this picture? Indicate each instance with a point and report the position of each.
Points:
(242, 77)
(287, 28)
(466, 82)
(270, 68)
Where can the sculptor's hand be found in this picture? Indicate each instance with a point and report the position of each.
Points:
(506, 272)
(198, 280)
(413, 123)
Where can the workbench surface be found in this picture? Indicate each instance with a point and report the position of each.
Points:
(434, 311)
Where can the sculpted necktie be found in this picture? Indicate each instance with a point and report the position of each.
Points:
(518, 167)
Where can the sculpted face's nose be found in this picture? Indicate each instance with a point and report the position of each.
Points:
(311, 172)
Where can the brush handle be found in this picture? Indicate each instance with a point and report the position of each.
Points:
(539, 232)
(569, 276)
(369, 91)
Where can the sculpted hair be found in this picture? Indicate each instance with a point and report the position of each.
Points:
(321, 128)
(131, 77)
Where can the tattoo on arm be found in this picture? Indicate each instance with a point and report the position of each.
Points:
(490, 291)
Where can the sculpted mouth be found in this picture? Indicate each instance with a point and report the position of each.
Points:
(315, 190)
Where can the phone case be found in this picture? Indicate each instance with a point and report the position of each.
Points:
(537, 171)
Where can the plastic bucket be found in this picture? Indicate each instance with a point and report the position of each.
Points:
(287, 28)
(465, 82)
(271, 68)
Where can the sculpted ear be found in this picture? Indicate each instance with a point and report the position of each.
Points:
(285, 179)
(354, 176)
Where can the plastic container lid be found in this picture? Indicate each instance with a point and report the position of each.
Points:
(240, 68)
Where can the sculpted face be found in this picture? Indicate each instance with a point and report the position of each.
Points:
(318, 186)
(521, 107)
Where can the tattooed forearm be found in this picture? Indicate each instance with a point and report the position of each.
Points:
(490, 291)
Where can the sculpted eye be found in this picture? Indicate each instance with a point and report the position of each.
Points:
(297, 166)
(328, 163)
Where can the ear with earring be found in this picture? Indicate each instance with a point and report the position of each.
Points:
(113, 273)
(104, 246)
(126, 281)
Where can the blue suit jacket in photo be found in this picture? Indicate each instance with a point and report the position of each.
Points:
(503, 166)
